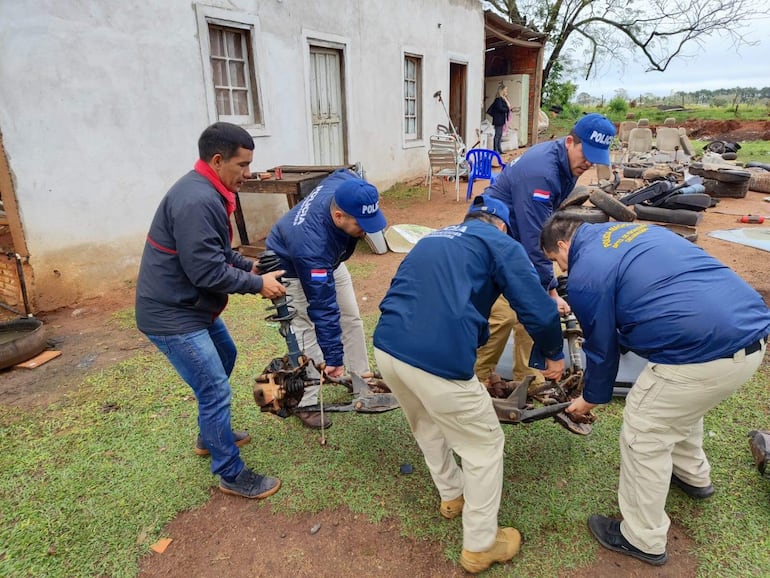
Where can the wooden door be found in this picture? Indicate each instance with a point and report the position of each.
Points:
(327, 105)
(457, 98)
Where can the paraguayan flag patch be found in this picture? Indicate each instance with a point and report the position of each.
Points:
(318, 274)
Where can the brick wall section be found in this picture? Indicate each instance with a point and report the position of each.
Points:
(10, 290)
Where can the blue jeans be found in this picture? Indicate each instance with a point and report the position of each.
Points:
(205, 359)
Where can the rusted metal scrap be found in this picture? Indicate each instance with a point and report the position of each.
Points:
(280, 387)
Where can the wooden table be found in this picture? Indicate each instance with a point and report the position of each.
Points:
(296, 183)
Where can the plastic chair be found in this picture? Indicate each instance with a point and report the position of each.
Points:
(481, 166)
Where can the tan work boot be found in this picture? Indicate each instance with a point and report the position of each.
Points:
(453, 508)
(506, 546)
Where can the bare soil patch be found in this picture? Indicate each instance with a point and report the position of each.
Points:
(235, 537)
(728, 130)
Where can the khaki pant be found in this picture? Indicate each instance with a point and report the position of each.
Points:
(353, 339)
(662, 433)
(449, 416)
(503, 320)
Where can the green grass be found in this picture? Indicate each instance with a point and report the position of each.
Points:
(403, 195)
(691, 111)
(89, 484)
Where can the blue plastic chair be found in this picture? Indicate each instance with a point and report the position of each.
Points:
(480, 161)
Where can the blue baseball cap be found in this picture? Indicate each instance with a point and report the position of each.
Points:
(486, 204)
(361, 201)
(596, 132)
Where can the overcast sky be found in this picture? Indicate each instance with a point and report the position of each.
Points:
(717, 65)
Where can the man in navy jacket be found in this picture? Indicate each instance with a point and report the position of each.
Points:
(533, 186)
(641, 288)
(434, 317)
(313, 241)
(188, 269)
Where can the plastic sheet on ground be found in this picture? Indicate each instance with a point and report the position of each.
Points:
(757, 237)
(401, 238)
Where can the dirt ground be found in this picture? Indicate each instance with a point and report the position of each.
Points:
(234, 537)
(728, 130)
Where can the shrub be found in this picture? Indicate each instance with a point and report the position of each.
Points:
(618, 106)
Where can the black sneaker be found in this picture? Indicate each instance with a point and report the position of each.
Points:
(241, 439)
(250, 485)
(607, 532)
(695, 492)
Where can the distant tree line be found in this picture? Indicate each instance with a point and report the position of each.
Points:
(719, 97)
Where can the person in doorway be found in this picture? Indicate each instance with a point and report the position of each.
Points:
(641, 288)
(313, 241)
(532, 187)
(499, 111)
(188, 268)
(434, 317)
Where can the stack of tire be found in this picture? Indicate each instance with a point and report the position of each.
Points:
(677, 207)
(602, 207)
(760, 176)
(680, 206)
(719, 182)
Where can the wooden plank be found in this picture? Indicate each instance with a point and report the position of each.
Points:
(252, 251)
(39, 359)
(289, 184)
(9, 204)
(311, 168)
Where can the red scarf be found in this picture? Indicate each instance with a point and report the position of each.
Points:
(205, 169)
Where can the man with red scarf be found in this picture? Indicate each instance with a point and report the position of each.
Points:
(188, 269)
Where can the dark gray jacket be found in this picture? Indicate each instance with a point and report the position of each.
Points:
(188, 266)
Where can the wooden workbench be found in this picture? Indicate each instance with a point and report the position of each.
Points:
(296, 183)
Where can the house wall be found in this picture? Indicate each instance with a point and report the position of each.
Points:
(102, 103)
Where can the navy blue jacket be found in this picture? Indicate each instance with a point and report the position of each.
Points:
(434, 316)
(310, 247)
(642, 288)
(188, 266)
(533, 186)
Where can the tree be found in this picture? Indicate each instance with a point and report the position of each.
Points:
(658, 31)
(584, 99)
(622, 94)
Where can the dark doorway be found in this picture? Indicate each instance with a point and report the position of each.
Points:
(457, 97)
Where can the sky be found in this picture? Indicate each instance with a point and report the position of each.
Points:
(715, 66)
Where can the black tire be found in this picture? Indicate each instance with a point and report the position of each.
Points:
(587, 214)
(692, 202)
(613, 207)
(715, 146)
(633, 172)
(757, 164)
(20, 340)
(673, 216)
(656, 190)
(577, 197)
(729, 156)
(726, 190)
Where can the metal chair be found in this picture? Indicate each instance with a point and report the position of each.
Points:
(445, 161)
(480, 161)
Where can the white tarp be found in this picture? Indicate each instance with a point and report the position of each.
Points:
(757, 237)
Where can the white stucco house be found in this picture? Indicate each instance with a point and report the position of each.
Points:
(102, 103)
